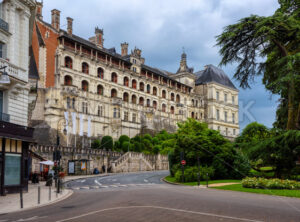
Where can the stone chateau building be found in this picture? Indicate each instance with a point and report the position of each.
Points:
(86, 90)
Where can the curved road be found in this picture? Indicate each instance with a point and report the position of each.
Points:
(144, 197)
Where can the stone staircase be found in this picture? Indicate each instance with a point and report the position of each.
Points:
(133, 162)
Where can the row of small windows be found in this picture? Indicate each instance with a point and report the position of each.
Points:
(226, 131)
(225, 98)
(226, 116)
(114, 78)
(85, 87)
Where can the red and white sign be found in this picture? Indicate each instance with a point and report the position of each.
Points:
(183, 162)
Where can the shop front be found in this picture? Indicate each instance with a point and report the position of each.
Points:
(14, 157)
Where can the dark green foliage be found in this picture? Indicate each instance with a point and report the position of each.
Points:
(107, 143)
(268, 46)
(196, 139)
(281, 152)
(191, 174)
(96, 144)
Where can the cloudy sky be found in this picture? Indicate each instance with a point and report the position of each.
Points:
(161, 28)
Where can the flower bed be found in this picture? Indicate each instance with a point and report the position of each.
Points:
(254, 182)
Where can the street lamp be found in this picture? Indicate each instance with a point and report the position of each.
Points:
(4, 78)
(57, 157)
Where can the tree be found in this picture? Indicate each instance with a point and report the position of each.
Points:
(276, 39)
(107, 143)
(96, 144)
(281, 151)
(253, 133)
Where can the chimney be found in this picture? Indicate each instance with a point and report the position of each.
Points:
(124, 49)
(70, 25)
(55, 21)
(99, 37)
(39, 10)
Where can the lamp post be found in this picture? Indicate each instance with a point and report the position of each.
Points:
(57, 155)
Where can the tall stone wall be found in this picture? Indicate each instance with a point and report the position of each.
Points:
(112, 161)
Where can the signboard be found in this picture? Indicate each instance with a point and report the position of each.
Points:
(71, 168)
(183, 162)
(83, 165)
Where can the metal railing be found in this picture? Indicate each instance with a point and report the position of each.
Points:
(3, 25)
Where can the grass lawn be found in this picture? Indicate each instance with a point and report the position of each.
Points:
(239, 187)
(172, 179)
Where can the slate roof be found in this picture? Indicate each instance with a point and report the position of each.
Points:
(213, 74)
(76, 38)
(33, 71)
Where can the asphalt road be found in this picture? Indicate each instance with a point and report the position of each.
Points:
(144, 197)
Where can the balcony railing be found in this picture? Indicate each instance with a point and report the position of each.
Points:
(4, 117)
(3, 25)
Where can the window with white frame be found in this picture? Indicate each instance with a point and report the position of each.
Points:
(218, 114)
(232, 98)
(134, 117)
(233, 118)
(2, 50)
(126, 116)
(85, 107)
(225, 116)
(218, 96)
(225, 98)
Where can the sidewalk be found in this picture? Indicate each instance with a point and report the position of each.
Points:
(11, 202)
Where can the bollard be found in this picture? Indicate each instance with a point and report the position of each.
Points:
(21, 197)
(49, 193)
(207, 180)
(39, 194)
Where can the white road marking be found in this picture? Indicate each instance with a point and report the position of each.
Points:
(97, 182)
(163, 208)
(113, 185)
(103, 186)
(114, 179)
(122, 185)
(84, 188)
(146, 181)
(31, 218)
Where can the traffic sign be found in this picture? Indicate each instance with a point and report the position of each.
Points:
(183, 162)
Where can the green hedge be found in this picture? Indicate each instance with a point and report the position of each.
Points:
(191, 174)
(254, 182)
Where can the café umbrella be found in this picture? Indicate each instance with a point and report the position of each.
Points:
(47, 162)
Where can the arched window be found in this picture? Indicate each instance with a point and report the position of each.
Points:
(163, 94)
(178, 98)
(141, 101)
(148, 102)
(163, 107)
(172, 96)
(133, 99)
(85, 85)
(172, 110)
(100, 90)
(114, 77)
(133, 84)
(141, 86)
(154, 104)
(85, 68)
(113, 93)
(193, 115)
(125, 97)
(126, 81)
(100, 73)
(154, 91)
(68, 80)
(68, 62)
(148, 88)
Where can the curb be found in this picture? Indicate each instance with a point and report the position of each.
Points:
(172, 183)
(42, 205)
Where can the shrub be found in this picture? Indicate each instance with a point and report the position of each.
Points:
(107, 143)
(96, 144)
(263, 183)
(191, 174)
